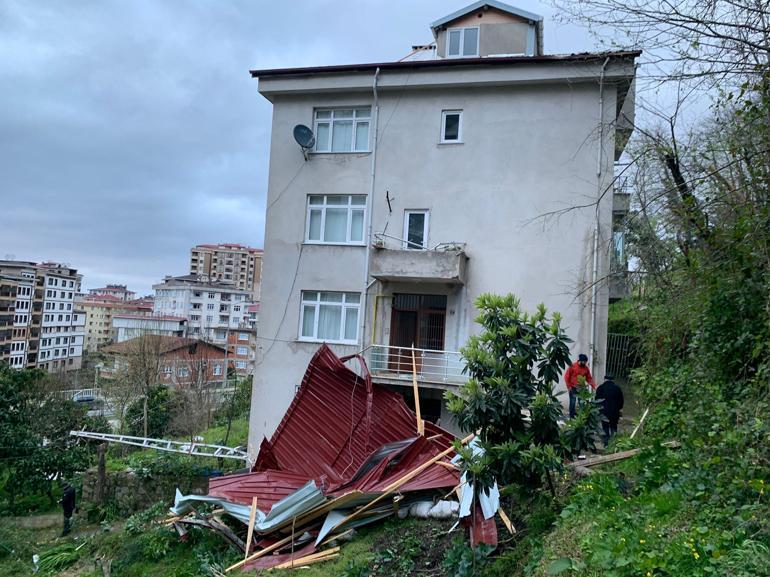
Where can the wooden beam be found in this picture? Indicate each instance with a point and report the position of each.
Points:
(638, 426)
(506, 521)
(260, 553)
(306, 562)
(306, 559)
(250, 532)
(420, 423)
(395, 485)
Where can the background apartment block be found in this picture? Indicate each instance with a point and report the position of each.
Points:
(217, 312)
(100, 310)
(379, 239)
(118, 291)
(230, 263)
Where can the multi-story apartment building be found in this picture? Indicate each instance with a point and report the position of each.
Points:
(127, 326)
(118, 291)
(216, 311)
(100, 309)
(230, 263)
(428, 183)
(62, 334)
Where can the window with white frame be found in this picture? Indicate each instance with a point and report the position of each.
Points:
(342, 129)
(242, 351)
(183, 372)
(243, 336)
(167, 370)
(335, 219)
(416, 229)
(451, 125)
(240, 364)
(330, 316)
(217, 370)
(462, 42)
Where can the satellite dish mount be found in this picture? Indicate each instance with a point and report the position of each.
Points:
(305, 138)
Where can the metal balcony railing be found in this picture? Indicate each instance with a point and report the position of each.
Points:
(440, 367)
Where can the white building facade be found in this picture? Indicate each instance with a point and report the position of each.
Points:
(212, 309)
(63, 325)
(432, 182)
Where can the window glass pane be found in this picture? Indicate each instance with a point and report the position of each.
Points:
(471, 41)
(357, 226)
(316, 199)
(337, 199)
(342, 136)
(322, 136)
(363, 112)
(362, 136)
(352, 297)
(358, 199)
(454, 42)
(345, 113)
(323, 113)
(308, 318)
(309, 296)
(331, 297)
(336, 227)
(451, 126)
(415, 234)
(351, 324)
(329, 321)
(314, 229)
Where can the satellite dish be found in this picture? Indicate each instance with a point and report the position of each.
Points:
(304, 137)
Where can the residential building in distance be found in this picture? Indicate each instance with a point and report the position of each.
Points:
(47, 328)
(216, 311)
(118, 291)
(181, 362)
(100, 309)
(230, 263)
(385, 240)
(126, 326)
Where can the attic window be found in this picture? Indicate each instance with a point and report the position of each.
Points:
(463, 42)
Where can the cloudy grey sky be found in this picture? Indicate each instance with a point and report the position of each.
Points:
(131, 131)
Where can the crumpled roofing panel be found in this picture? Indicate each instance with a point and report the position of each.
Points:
(336, 420)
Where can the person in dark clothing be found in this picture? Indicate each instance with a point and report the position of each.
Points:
(572, 379)
(611, 397)
(68, 506)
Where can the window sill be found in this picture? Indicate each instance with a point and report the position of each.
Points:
(326, 341)
(354, 245)
(450, 142)
(336, 152)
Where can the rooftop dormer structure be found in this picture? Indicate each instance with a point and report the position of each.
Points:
(488, 28)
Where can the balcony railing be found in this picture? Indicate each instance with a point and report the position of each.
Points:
(438, 367)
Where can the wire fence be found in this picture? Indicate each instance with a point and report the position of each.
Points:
(622, 354)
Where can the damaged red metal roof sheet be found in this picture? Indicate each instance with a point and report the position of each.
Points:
(336, 420)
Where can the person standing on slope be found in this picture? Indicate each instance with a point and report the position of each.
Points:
(576, 370)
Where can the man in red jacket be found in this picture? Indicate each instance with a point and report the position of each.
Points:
(577, 369)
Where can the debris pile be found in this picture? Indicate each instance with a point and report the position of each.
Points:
(347, 453)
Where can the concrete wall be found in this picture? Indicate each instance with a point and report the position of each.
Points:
(527, 150)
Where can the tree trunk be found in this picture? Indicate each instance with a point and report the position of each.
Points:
(101, 478)
(145, 415)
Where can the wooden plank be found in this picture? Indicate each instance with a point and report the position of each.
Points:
(638, 426)
(450, 466)
(420, 423)
(612, 457)
(306, 563)
(250, 532)
(260, 553)
(395, 485)
(506, 521)
(304, 560)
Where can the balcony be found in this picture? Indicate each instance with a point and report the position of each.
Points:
(420, 266)
(621, 203)
(438, 369)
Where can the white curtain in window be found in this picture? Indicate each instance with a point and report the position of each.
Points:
(336, 225)
(342, 136)
(329, 321)
(351, 324)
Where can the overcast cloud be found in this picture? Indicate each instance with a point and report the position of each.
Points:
(131, 130)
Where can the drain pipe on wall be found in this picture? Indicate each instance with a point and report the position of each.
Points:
(595, 275)
(370, 209)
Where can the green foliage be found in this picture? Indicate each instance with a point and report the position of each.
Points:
(462, 560)
(513, 366)
(53, 561)
(139, 522)
(158, 413)
(581, 434)
(35, 445)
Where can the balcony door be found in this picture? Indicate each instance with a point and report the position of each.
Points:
(417, 320)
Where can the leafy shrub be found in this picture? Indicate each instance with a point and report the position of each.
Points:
(55, 560)
(461, 560)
